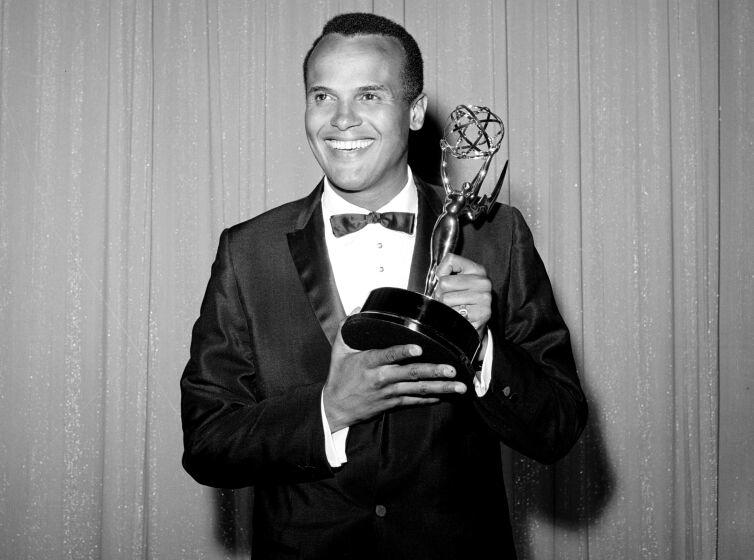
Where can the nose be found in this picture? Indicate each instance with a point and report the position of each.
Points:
(344, 117)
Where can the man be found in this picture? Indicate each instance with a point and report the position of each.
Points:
(359, 454)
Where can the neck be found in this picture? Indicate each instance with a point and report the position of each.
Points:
(375, 198)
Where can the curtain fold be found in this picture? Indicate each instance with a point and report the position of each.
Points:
(133, 131)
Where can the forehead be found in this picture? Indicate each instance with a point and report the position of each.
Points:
(363, 54)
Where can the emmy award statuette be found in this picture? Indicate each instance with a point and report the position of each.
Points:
(392, 316)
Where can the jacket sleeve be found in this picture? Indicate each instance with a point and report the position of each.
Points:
(231, 436)
(535, 403)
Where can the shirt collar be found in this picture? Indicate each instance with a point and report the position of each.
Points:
(406, 200)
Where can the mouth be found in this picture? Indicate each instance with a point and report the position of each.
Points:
(349, 145)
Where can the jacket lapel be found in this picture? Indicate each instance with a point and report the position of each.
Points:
(430, 206)
(309, 252)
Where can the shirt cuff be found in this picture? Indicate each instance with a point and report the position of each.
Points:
(335, 443)
(483, 376)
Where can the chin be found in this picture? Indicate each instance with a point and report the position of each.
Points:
(347, 183)
(348, 188)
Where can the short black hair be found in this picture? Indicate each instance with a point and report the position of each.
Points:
(359, 23)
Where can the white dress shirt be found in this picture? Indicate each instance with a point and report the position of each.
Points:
(373, 257)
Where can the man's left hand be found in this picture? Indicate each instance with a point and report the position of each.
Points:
(463, 285)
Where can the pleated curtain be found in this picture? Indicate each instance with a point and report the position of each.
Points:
(132, 132)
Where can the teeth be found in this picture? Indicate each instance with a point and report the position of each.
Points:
(348, 144)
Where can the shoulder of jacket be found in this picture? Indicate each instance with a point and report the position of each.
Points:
(279, 219)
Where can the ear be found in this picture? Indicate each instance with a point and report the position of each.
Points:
(418, 109)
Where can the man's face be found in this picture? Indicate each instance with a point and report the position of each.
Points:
(357, 120)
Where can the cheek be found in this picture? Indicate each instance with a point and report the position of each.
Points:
(396, 127)
(310, 128)
(314, 120)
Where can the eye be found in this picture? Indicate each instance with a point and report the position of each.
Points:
(320, 97)
(370, 96)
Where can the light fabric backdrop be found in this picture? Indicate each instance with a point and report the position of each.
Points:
(132, 132)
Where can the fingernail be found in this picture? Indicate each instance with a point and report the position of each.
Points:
(460, 388)
(449, 372)
(415, 350)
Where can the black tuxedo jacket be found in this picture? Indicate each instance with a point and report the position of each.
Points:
(422, 482)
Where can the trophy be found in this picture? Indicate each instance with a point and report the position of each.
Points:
(392, 316)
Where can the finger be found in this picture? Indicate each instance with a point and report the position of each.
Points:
(475, 315)
(464, 282)
(391, 355)
(416, 372)
(466, 298)
(464, 310)
(474, 306)
(425, 389)
(456, 264)
(413, 401)
(339, 345)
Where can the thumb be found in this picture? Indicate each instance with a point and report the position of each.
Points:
(339, 343)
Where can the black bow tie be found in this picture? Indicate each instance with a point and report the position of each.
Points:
(343, 224)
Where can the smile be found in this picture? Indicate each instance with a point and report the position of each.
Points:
(349, 145)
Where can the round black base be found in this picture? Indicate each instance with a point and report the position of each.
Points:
(392, 316)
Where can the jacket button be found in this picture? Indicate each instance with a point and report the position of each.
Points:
(507, 391)
(380, 510)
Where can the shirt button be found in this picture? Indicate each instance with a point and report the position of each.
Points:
(381, 269)
(379, 245)
(380, 510)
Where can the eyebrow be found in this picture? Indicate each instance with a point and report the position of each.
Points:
(360, 89)
(373, 87)
(317, 89)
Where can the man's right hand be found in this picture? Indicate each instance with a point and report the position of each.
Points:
(362, 384)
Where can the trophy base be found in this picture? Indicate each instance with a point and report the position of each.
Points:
(392, 316)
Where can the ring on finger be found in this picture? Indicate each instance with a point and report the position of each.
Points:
(463, 311)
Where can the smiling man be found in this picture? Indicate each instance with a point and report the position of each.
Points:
(358, 454)
(358, 116)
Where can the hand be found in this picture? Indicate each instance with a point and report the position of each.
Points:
(463, 285)
(361, 385)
